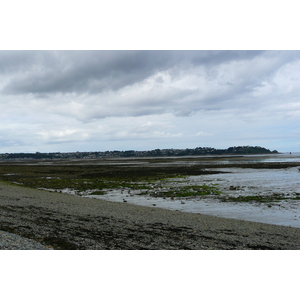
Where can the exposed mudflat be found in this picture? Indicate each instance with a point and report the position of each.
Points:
(176, 201)
(280, 186)
(70, 222)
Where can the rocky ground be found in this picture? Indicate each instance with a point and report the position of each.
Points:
(70, 222)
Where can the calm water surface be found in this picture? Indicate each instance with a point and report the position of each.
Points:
(249, 182)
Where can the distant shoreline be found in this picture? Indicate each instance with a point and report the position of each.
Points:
(199, 151)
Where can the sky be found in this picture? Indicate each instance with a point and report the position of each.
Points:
(141, 100)
(79, 100)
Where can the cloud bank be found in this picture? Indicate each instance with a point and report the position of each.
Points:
(106, 100)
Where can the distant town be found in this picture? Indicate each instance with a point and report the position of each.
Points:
(238, 150)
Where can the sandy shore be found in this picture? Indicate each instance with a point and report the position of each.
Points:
(70, 222)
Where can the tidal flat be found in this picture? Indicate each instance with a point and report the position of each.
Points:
(260, 188)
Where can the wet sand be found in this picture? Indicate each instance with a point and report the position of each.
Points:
(71, 222)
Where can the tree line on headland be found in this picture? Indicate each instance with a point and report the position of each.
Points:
(238, 150)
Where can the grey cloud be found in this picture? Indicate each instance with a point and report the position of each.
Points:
(72, 100)
(212, 58)
(47, 72)
(15, 61)
(228, 78)
(85, 71)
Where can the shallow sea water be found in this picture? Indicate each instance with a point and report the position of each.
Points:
(248, 182)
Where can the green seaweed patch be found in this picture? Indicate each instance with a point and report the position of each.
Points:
(173, 178)
(133, 186)
(188, 191)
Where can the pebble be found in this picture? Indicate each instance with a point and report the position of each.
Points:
(71, 222)
(11, 241)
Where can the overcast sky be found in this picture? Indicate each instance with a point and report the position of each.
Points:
(119, 100)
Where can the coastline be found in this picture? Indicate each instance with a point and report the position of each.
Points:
(66, 221)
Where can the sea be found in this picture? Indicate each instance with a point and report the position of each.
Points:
(246, 181)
